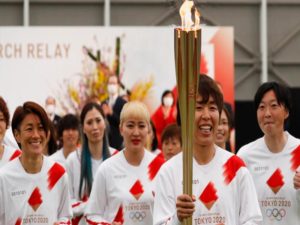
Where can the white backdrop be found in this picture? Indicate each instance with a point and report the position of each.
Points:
(35, 61)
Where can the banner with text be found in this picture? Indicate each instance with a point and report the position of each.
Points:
(72, 63)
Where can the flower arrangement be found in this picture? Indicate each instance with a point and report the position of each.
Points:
(91, 83)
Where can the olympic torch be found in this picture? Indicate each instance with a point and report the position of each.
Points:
(187, 39)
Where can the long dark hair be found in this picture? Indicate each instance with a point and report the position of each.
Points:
(154, 144)
(52, 142)
(86, 174)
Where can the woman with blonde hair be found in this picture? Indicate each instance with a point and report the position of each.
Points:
(122, 192)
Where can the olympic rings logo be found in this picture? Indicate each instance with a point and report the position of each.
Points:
(137, 216)
(275, 213)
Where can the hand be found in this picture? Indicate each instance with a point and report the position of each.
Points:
(297, 180)
(185, 206)
(56, 223)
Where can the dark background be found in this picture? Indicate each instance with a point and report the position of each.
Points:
(246, 126)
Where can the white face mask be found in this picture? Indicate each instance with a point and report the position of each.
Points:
(168, 101)
(112, 89)
(50, 109)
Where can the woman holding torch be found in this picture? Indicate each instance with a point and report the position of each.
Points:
(223, 190)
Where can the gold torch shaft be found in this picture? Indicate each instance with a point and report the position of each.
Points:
(187, 60)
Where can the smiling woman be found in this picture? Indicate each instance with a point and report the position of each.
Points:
(217, 175)
(40, 184)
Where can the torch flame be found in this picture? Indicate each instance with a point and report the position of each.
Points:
(197, 19)
(185, 12)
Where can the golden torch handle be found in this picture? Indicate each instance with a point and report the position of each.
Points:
(187, 59)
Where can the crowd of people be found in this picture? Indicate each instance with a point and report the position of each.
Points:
(116, 164)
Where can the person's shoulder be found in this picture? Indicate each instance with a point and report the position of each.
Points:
(223, 152)
(113, 151)
(10, 168)
(233, 166)
(51, 163)
(11, 152)
(74, 156)
(292, 140)
(149, 154)
(154, 163)
(120, 100)
(293, 146)
(56, 154)
(10, 148)
(113, 159)
(227, 158)
(251, 147)
(56, 173)
(174, 163)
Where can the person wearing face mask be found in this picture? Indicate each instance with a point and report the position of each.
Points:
(50, 105)
(166, 114)
(112, 108)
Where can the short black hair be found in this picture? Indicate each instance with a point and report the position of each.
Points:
(282, 93)
(171, 131)
(208, 87)
(69, 121)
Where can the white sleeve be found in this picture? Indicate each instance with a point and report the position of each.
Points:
(164, 212)
(95, 209)
(64, 210)
(249, 213)
(2, 203)
(69, 168)
(78, 206)
(242, 153)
